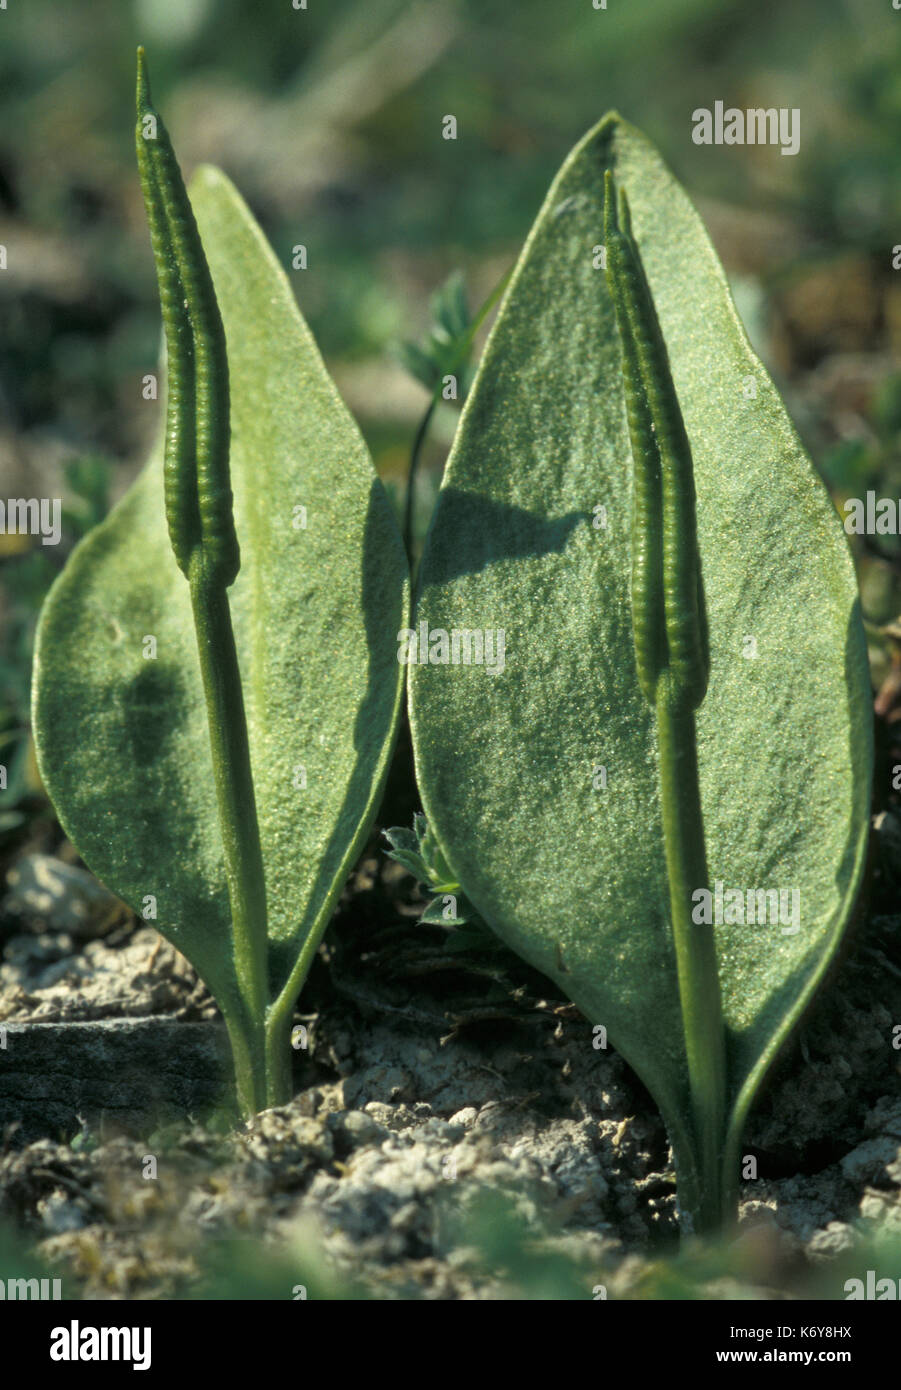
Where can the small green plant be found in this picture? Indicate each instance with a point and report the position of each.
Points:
(216, 687)
(420, 854)
(441, 363)
(660, 798)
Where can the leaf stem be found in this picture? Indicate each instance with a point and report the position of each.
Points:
(695, 945)
(280, 1014)
(462, 353)
(230, 749)
(412, 472)
(277, 1044)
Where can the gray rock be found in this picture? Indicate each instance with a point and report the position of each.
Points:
(133, 1072)
(43, 980)
(837, 1238)
(59, 1213)
(48, 894)
(361, 1128)
(867, 1163)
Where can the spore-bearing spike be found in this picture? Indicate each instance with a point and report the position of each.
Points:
(197, 486)
(669, 622)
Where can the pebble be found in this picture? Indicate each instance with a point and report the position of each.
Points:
(868, 1161)
(60, 897)
(59, 1213)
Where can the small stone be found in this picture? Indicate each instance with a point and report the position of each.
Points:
(867, 1163)
(885, 1117)
(405, 1218)
(837, 1237)
(48, 894)
(361, 1128)
(384, 1115)
(876, 1207)
(312, 1136)
(465, 1117)
(59, 1213)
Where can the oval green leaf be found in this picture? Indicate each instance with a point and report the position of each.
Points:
(531, 536)
(122, 737)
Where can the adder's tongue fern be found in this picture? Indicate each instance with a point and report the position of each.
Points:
(672, 657)
(202, 531)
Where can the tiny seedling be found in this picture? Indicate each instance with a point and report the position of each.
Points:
(419, 853)
(662, 800)
(442, 365)
(216, 686)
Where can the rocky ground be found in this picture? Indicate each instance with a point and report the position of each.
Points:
(455, 1133)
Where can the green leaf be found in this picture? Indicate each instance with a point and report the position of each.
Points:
(570, 872)
(419, 364)
(447, 348)
(450, 309)
(123, 742)
(418, 852)
(411, 862)
(439, 914)
(399, 838)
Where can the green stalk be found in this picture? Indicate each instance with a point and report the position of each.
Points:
(278, 1053)
(246, 1060)
(412, 473)
(669, 626)
(281, 1012)
(422, 431)
(696, 963)
(230, 749)
(199, 515)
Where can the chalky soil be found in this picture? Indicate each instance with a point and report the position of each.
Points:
(433, 1082)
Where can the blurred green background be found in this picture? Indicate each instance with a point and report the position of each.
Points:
(329, 119)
